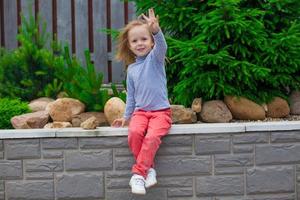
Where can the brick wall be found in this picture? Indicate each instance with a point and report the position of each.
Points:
(249, 165)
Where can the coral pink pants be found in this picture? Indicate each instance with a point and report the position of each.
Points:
(146, 128)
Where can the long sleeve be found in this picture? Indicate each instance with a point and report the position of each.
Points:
(130, 102)
(160, 46)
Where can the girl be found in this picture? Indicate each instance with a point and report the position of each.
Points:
(143, 46)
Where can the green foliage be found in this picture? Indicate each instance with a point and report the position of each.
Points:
(52, 89)
(112, 32)
(29, 68)
(235, 47)
(83, 83)
(116, 93)
(2, 52)
(10, 108)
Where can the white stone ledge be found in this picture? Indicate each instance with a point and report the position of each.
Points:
(178, 129)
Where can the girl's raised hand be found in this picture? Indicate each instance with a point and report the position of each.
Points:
(152, 21)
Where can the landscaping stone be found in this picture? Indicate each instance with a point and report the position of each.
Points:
(295, 102)
(114, 109)
(197, 105)
(90, 123)
(277, 108)
(40, 104)
(215, 111)
(78, 119)
(30, 120)
(64, 109)
(182, 115)
(245, 109)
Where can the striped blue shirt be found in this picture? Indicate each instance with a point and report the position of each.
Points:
(146, 80)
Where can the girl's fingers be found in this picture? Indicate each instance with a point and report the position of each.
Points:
(145, 17)
(151, 13)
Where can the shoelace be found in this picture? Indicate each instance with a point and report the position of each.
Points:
(151, 174)
(139, 181)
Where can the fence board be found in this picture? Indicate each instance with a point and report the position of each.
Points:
(27, 6)
(81, 28)
(45, 13)
(10, 22)
(64, 22)
(100, 38)
(131, 11)
(117, 22)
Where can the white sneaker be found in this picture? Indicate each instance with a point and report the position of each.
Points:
(137, 183)
(151, 178)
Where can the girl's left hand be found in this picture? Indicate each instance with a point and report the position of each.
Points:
(152, 21)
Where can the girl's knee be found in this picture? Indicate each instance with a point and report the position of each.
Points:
(153, 138)
(136, 131)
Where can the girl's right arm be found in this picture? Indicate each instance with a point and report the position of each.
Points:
(130, 104)
(130, 101)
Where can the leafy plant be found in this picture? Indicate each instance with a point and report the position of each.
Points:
(114, 33)
(235, 47)
(10, 108)
(116, 93)
(29, 68)
(52, 89)
(83, 83)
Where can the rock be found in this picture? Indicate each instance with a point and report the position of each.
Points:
(294, 100)
(30, 120)
(265, 106)
(215, 111)
(78, 119)
(62, 95)
(182, 115)
(90, 123)
(277, 108)
(197, 105)
(58, 125)
(40, 104)
(114, 109)
(64, 109)
(245, 109)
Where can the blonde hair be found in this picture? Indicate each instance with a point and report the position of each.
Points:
(123, 51)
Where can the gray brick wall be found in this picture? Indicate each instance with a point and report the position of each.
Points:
(208, 166)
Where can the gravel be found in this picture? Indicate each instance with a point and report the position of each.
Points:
(269, 119)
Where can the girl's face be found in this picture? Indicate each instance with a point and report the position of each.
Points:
(140, 40)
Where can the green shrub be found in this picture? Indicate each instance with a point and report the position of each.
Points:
(29, 68)
(121, 94)
(235, 47)
(51, 90)
(82, 83)
(10, 108)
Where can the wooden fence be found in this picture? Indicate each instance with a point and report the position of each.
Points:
(76, 22)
